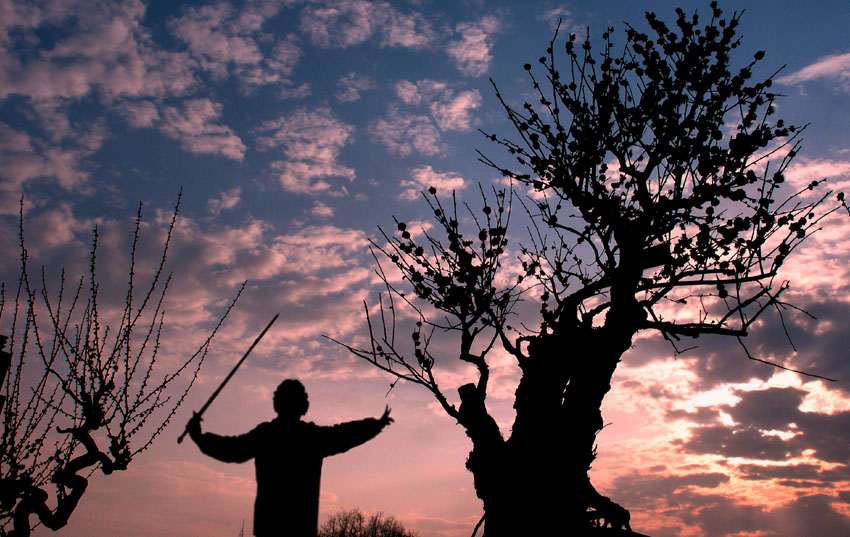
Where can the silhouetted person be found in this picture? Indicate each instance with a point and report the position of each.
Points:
(288, 454)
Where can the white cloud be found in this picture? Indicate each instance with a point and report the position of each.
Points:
(425, 177)
(351, 85)
(193, 125)
(471, 52)
(311, 142)
(836, 66)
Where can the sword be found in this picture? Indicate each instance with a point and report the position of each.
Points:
(204, 408)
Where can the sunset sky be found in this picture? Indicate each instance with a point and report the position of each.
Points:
(294, 129)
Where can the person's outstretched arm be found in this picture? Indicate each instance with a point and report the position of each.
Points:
(340, 438)
(224, 448)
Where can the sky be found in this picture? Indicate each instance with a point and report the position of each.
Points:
(294, 129)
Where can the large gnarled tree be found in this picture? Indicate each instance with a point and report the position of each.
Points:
(658, 204)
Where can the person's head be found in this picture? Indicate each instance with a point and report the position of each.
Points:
(290, 399)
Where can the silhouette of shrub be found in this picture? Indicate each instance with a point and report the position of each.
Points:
(353, 523)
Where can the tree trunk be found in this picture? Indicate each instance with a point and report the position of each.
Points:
(536, 482)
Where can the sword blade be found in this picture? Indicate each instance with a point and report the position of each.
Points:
(229, 375)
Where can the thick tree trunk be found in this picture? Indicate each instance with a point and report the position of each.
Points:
(536, 482)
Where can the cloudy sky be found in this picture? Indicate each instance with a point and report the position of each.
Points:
(294, 128)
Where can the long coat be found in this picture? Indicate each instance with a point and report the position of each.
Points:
(288, 460)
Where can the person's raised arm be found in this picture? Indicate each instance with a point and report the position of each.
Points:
(224, 448)
(340, 438)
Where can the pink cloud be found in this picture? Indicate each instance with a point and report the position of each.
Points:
(471, 52)
(405, 30)
(404, 133)
(140, 114)
(214, 38)
(311, 141)
(185, 496)
(276, 68)
(427, 91)
(227, 200)
(194, 126)
(351, 85)
(315, 276)
(108, 49)
(408, 92)
(20, 162)
(450, 110)
(338, 24)
(562, 15)
(319, 246)
(224, 40)
(454, 113)
(835, 66)
(347, 23)
(425, 177)
(24, 158)
(320, 210)
(803, 171)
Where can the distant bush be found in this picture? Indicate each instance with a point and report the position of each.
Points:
(353, 523)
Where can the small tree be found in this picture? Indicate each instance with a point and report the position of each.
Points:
(81, 396)
(659, 205)
(353, 523)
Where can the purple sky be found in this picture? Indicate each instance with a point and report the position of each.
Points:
(295, 128)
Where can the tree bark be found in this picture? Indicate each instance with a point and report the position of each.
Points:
(536, 482)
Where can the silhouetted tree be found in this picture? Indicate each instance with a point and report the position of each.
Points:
(657, 204)
(81, 396)
(353, 523)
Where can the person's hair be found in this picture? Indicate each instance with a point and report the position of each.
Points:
(290, 397)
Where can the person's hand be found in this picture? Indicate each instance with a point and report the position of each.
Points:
(385, 419)
(194, 426)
